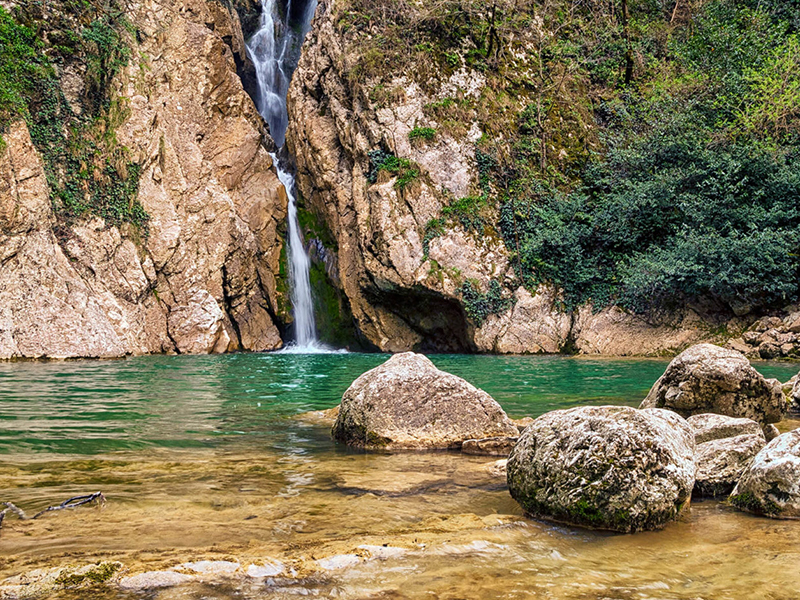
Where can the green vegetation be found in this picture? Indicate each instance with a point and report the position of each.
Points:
(403, 169)
(641, 153)
(479, 306)
(422, 133)
(87, 170)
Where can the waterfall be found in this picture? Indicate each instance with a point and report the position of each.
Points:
(275, 52)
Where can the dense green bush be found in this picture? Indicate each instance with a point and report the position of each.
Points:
(479, 306)
(695, 194)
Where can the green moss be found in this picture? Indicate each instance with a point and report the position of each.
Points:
(99, 573)
(334, 320)
(747, 501)
(282, 293)
(314, 227)
(422, 133)
(479, 306)
(87, 171)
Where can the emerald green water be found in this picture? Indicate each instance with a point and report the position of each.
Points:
(90, 407)
(209, 458)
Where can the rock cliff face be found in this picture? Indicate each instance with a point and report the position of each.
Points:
(201, 277)
(403, 274)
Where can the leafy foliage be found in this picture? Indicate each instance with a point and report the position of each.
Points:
(422, 133)
(479, 306)
(87, 171)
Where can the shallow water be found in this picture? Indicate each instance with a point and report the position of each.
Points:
(204, 458)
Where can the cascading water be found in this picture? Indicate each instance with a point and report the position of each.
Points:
(275, 52)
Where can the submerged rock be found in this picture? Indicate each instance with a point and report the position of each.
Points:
(721, 462)
(154, 580)
(709, 379)
(710, 426)
(606, 467)
(407, 403)
(770, 485)
(495, 446)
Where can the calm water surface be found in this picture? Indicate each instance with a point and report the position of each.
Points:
(204, 457)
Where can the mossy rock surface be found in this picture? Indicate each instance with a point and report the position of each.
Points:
(605, 467)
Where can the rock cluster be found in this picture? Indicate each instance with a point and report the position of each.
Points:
(771, 337)
(407, 403)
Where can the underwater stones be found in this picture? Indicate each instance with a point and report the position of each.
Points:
(709, 379)
(721, 462)
(495, 446)
(605, 467)
(154, 580)
(407, 403)
(770, 484)
(710, 426)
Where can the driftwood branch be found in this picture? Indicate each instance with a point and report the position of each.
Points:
(73, 502)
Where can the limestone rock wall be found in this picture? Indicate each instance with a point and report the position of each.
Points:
(402, 297)
(202, 277)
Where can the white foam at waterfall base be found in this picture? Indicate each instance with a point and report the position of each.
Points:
(275, 51)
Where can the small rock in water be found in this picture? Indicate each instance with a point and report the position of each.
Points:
(210, 567)
(498, 468)
(711, 426)
(721, 462)
(153, 580)
(605, 467)
(495, 446)
(268, 569)
(340, 561)
(383, 552)
(770, 484)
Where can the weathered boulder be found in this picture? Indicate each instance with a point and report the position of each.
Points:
(706, 378)
(606, 467)
(711, 426)
(770, 485)
(495, 446)
(407, 403)
(720, 462)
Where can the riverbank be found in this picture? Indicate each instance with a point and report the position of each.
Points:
(202, 458)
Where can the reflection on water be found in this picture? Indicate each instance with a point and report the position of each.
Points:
(201, 458)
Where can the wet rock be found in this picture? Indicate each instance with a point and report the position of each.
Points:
(605, 467)
(210, 567)
(41, 583)
(711, 426)
(721, 462)
(407, 403)
(522, 423)
(496, 446)
(498, 468)
(268, 569)
(706, 378)
(154, 580)
(770, 432)
(341, 561)
(770, 485)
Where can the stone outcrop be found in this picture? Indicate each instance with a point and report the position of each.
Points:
(770, 485)
(706, 378)
(202, 277)
(407, 403)
(606, 467)
(403, 283)
(495, 446)
(721, 462)
(711, 426)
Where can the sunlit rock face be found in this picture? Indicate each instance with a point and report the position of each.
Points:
(407, 403)
(770, 485)
(605, 467)
(201, 278)
(709, 379)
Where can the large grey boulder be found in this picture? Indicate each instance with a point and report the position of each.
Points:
(721, 462)
(407, 403)
(770, 485)
(709, 379)
(605, 467)
(710, 426)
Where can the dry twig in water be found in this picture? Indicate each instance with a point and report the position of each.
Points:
(73, 502)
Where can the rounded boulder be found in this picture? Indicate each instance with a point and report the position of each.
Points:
(407, 403)
(708, 379)
(605, 467)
